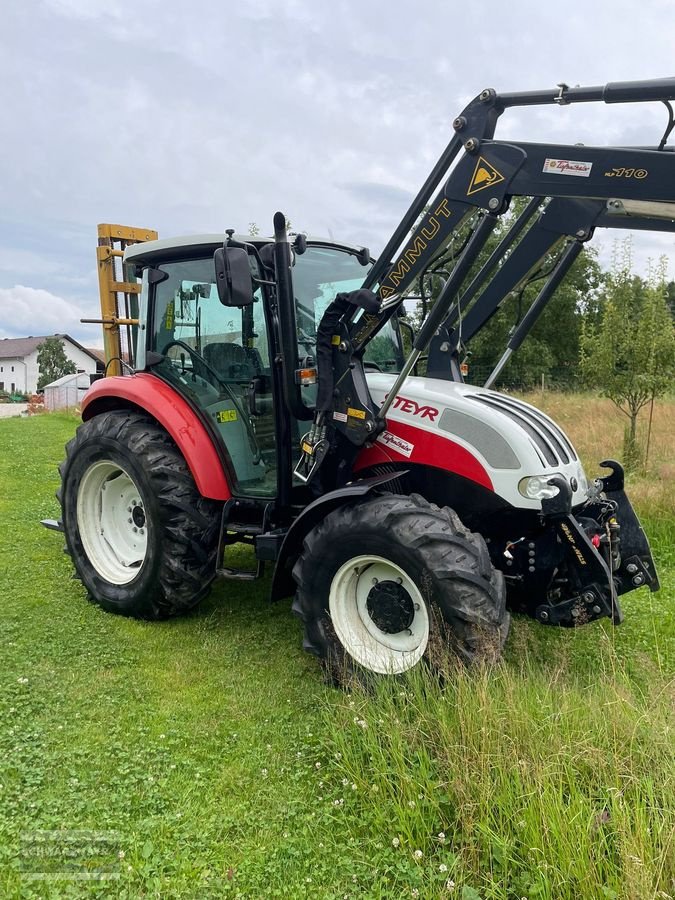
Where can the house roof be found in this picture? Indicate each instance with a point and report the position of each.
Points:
(16, 348)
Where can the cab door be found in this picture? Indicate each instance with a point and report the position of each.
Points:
(218, 358)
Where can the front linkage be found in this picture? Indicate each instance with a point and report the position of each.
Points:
(601, 552)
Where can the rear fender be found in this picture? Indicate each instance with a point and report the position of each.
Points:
(148, 393)
(282, 581)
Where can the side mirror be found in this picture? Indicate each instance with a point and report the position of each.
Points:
(233, 276)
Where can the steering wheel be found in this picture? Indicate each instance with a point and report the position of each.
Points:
(248, 425)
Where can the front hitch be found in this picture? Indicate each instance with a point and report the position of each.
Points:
(637, 567)
(594, 593)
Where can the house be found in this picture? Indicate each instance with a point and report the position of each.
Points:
(19, 371)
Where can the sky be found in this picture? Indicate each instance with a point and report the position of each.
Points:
(196, 117)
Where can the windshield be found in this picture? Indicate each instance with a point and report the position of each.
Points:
(318, 275)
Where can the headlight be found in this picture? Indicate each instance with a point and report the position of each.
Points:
(536, 487)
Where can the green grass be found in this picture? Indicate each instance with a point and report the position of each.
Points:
(210, 749)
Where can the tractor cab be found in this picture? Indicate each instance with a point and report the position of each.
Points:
(221, 358)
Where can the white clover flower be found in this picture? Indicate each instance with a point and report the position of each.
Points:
(396, 842)
(411, 804)
(120, 855)
(441, 837)
(345, 782)
(418, 854)
(264, 773)
(442, 868)
(449, 885)
(317, 765)
(353, 786)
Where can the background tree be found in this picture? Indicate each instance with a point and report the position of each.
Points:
(53, 362)
(628, 352)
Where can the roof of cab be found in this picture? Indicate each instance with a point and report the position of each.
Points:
(184, 247)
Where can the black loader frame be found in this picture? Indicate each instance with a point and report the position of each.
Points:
(609, 187)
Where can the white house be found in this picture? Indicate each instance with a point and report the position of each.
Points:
(18, 361)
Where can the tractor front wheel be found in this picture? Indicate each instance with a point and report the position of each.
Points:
(141, 537)
(383, 582)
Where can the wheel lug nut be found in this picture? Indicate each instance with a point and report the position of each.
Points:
(374, 580)
(417, 606)
(128, 509)
(141, 531)
(135, 529)
(399, 581)
(130, 521)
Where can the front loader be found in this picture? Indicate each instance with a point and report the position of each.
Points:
(265, 399)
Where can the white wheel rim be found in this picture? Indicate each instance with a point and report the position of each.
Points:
(112, 523)
(383, 651)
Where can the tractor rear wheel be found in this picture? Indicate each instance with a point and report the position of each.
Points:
(383, 582)
(141, 537)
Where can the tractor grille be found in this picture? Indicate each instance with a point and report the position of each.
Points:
(550, 442)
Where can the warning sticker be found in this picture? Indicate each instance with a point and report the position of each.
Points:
(356, 413)
(396, 443)
(340, 417)
(226, 415)
(567, 167)
(484, 176)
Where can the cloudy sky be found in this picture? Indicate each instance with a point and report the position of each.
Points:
(195, 117)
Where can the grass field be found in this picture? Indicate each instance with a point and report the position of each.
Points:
(203, 757)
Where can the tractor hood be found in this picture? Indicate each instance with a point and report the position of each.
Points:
(489, 437)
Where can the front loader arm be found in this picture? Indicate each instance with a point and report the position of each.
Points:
(575, 187)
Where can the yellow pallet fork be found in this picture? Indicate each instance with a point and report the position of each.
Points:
(117, 292)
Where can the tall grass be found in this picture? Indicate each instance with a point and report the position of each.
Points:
(523, 781)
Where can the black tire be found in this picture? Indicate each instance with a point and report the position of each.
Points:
(182, 527)
(464, 595)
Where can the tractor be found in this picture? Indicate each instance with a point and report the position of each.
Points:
(263, 396)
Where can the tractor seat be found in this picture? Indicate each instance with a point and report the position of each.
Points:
(232, 361)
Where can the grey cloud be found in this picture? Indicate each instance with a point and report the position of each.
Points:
(193, 117)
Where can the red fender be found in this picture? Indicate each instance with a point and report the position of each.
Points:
(425, 448)
(174, 413)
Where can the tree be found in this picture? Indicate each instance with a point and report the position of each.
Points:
(53, 362)
(629, 350)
